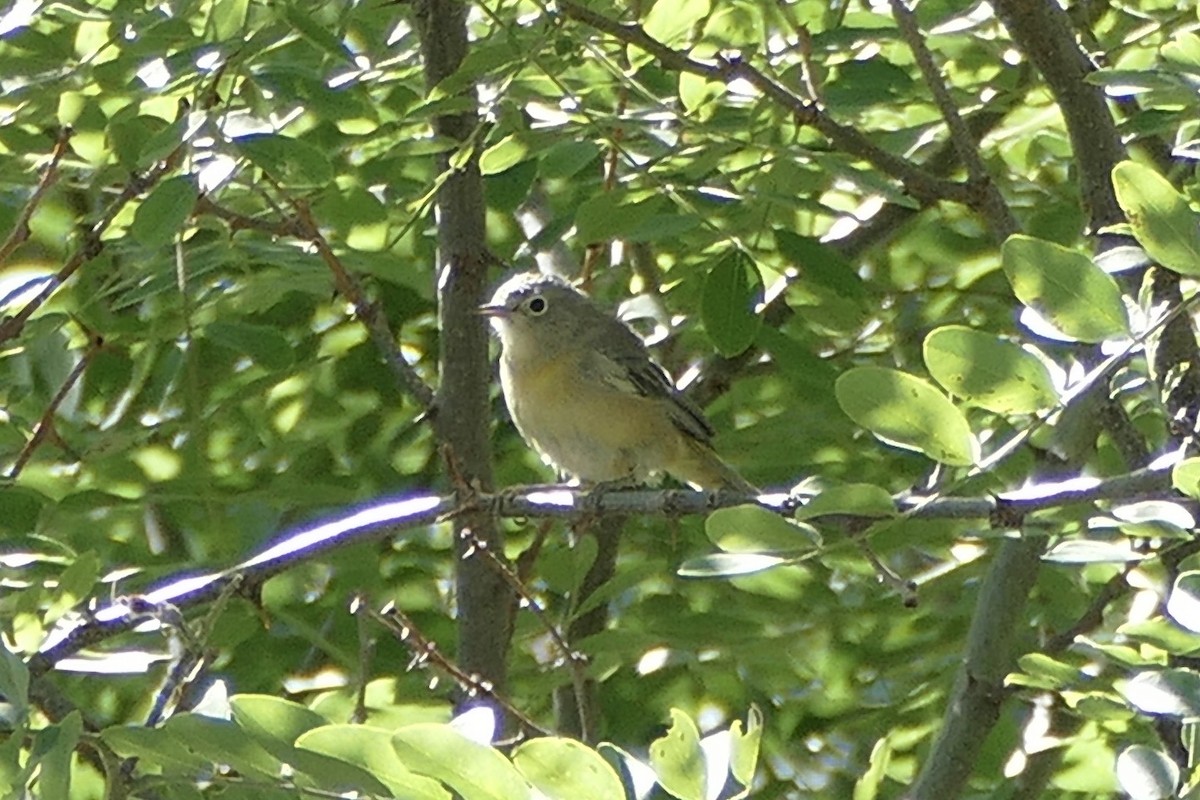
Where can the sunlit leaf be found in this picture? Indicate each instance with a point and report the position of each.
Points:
(1146, 773)
(1175, 692)
(904, 410)
(1161, 219)
(728, 565)
(678, 760)
(988, 371)
(1065, 287)
(565, 768)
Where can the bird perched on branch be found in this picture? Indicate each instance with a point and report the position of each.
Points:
(584, 393)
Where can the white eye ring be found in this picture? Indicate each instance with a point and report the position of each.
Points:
(536, 305)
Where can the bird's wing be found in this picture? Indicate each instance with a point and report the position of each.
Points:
(631, 370)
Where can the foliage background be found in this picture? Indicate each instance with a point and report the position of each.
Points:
(238, 254)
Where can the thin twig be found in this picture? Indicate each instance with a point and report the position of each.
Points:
(45, 425)
(576, 660)
(990, 203)
(924, 186)
(425, 650)
(20, 231)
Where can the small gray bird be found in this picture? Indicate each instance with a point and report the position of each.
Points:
(584, 393)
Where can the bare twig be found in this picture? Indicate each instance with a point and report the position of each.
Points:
(425, 650)
(575, 660)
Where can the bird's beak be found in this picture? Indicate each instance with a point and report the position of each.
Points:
(494, 310)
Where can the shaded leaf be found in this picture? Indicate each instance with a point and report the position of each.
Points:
(161, 215)
(732, 289)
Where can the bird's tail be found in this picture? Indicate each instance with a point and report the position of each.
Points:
(703, 468)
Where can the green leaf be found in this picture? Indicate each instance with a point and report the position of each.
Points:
(1163, 634)
(155, 746)
(316, 32)
(263, 343)
(53, 749)
(222, 742)
(371, 750)
(162, 214)
(566, 159)
(744, 757)
(1185, 476)
(1065, 287)
(754, 529)
(1146, 773)
(162, 143)
(728, 565)
(670, 21)
(906, 411)
(508, 152)
(857, 499)
(273, 717)
(290, 161)
(277, 724)
(564, 769)
(611, 215)
(988, 371)
(1183, 604)
(1161, 219)
(1054, 673)
(732, 289)
(20, 508)
(1102, 707)
(14, 681)
(678, 760)
(820, 263)
(868, 786)
(475, 771)
(1174, 692)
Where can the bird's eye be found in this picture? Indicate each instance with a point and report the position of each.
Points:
(536, 305)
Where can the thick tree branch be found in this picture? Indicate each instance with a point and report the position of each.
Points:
(1043, 33)
(485, 602)
(978, 693)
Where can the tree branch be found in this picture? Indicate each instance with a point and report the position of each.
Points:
(920, 184)
(978, 693)
(391, 516)
(485, 602)
(990, 203)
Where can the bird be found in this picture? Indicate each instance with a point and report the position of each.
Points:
(584, 393)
